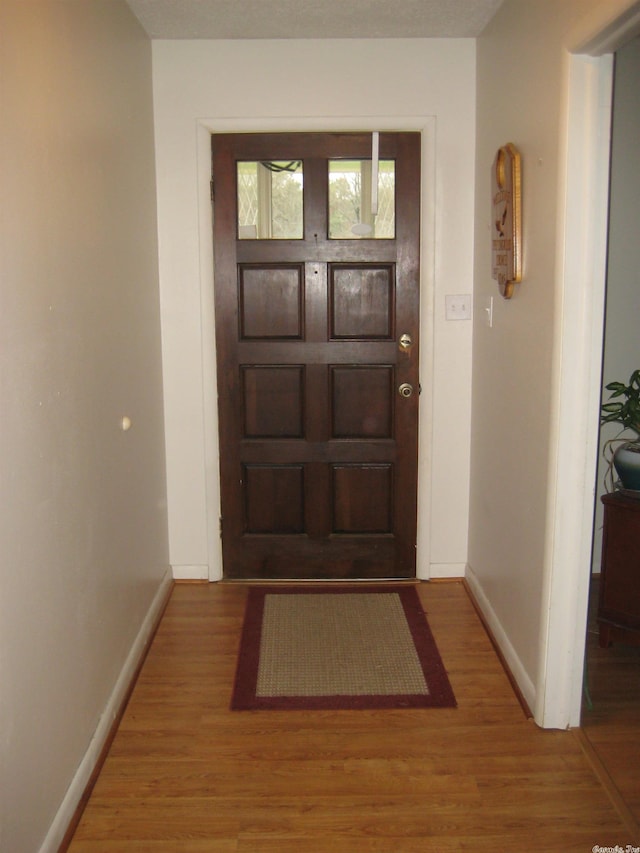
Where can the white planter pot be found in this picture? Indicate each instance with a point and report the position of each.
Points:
(627, 464)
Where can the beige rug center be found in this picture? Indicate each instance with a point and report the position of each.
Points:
(337, 645)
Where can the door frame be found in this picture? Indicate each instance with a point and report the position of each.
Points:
(426, 125)
(579, 335)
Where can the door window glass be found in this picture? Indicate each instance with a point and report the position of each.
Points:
(270, 200)
(350, 213)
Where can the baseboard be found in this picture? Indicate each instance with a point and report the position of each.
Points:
(64, 818)
(190, 573)
(447, 570)
(520, 680)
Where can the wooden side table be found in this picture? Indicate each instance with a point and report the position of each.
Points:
(619, 601)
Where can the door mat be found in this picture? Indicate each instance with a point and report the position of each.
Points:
(338, 648)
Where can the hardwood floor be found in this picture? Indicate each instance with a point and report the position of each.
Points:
(184, 773)
(611, 713)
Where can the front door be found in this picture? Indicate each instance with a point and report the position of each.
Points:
(317, 322)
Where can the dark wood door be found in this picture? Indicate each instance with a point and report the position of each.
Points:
(317, 379)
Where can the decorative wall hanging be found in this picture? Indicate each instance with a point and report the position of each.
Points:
(506, 227)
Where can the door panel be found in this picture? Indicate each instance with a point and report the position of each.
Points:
(362, 499)
(270, 302)
(362, 401)
(273, 401)
(318, 449)
(361, 304)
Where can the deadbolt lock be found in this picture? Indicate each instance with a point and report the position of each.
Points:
(405, 341)
(405, 390)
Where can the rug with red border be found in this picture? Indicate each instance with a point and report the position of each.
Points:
(338, 647)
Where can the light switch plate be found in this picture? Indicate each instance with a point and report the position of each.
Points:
(457, 306)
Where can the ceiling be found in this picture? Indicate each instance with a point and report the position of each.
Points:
(300, 19)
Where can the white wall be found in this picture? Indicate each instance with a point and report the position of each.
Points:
(82, 503)
(525, 521)
(622, 348)
(203, 86)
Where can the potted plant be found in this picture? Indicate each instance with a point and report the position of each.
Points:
(623, 407)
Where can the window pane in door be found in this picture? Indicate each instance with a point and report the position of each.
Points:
(270, 200)
(350, 200)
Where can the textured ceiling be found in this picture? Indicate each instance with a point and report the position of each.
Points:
(283, 19)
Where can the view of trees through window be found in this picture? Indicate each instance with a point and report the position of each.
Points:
(270, 200)
(350, 199)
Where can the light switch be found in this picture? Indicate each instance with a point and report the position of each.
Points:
(488, 309)
(457, 306)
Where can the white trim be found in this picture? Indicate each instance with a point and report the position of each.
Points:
(448, 570)
(580, 313)
(427, 126)
(427, 345)
(513, 662)
(580, 317)
(208, 330)
(81, 778)
(608, 27)
(190, 573)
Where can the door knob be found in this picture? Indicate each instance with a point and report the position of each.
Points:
(405, 390)
(405, 341)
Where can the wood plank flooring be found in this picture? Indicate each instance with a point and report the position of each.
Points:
(611, 720)
(184, 773)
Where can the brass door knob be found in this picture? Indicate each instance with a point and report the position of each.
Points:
(405, 390)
